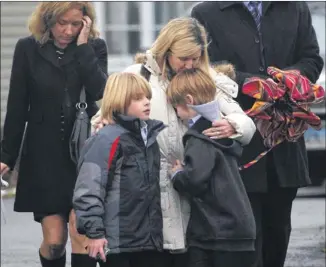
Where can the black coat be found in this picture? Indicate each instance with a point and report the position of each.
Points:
(287, 40)
(37, 96)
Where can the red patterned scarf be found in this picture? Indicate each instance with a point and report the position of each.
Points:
(281, 110)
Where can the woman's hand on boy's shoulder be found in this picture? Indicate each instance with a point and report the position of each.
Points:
(98, 123)
(220, 129)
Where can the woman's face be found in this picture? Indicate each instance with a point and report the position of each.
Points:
(181, 63)
(67, 27)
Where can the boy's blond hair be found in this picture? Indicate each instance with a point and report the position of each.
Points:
(120, 90)
(194, 82)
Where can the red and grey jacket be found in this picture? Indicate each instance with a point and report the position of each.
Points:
(117, 193)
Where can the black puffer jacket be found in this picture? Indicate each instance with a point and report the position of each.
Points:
(117, 193)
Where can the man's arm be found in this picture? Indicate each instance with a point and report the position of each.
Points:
(309, 63)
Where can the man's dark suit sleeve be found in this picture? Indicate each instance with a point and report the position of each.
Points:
(200, 161)
(310, 63)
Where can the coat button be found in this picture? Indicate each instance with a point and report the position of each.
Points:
(256, 40)
(261, 69)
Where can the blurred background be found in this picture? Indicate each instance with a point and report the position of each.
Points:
(129, 27)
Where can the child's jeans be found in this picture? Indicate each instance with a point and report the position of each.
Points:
(210, 258)
(135, 259)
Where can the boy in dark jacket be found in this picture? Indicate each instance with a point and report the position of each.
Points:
(117, 193)
(221, 230)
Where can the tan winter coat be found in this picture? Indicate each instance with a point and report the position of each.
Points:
(175, 208)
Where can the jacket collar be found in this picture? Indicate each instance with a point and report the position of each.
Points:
(48, 52)
(197, 129)
(151, 64)
(134, 125)
(228, 145)
(226, 4)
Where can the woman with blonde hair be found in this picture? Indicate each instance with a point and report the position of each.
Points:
(182, 44)
(49, 70)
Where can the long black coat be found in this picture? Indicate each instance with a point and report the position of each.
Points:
(287, 40)
(37, 96)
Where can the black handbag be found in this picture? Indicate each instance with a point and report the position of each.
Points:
(81, 130)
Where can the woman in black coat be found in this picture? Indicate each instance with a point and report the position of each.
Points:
(49, 69)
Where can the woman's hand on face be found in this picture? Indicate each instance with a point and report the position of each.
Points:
(3, 168)
(84, 33)
(96, 246)
(221, 129)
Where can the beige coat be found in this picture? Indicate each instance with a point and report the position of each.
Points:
(174, 207)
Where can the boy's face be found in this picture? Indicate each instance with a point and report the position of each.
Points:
(140, 108)
(184, 112)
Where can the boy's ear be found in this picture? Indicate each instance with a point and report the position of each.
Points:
(189, 99)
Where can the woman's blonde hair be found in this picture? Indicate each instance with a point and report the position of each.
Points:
(183, 37)
(120, 90)
(194, 82)
(46, 15)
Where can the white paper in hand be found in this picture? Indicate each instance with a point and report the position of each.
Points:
(209, 111)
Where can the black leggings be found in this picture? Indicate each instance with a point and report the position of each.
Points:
(209, 258)
(135, 259)
(146, 259)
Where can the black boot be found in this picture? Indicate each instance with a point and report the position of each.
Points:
(82, 260)
(60, 262)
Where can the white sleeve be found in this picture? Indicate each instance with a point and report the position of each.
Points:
(227, 89)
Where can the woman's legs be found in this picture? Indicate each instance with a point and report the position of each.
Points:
(233, 258)
(176, 259)
(199, 257)
(55, 234)
(79, 255)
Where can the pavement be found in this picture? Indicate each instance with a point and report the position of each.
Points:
(307, 242)
(21, 236)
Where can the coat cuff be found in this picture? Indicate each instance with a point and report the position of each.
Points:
(7, 159)
(97, 233)
(244, 126)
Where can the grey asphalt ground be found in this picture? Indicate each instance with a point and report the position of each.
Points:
(20, 236)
